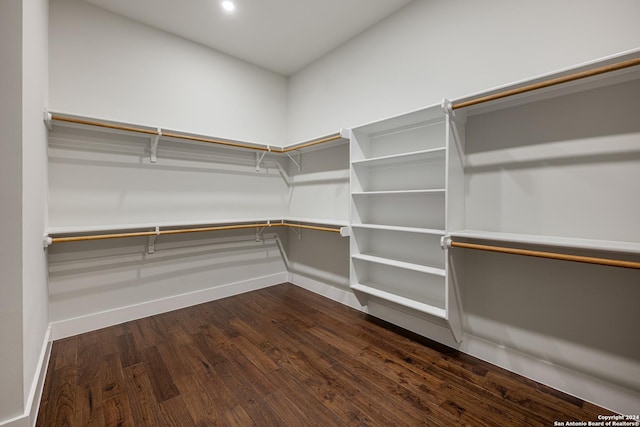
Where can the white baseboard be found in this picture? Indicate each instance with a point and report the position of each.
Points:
(585, 387)
(342, 296)
(32, 405)
(69, 327)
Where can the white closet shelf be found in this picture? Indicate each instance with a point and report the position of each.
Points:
(558, 83)
(397, 299)
(75, 120)
(398, 228)
(434, 153)
(399, 192)
(334, 222)
(78, 229)
(555, 241)
(83, 229)
(430, 115)
(400, 264)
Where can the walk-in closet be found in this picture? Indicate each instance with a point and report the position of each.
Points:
(351, 212)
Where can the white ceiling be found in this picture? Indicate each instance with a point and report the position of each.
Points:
(280, 35)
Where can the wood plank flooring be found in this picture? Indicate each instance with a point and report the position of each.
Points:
(283, 356)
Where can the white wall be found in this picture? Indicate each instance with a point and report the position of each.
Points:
(34, 190)
(11, 350)
(23, 191)
(104, 65)
(434, 49)
(320, 189)
(98, 178)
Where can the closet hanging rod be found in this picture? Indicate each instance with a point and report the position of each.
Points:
(216, 141)
(547, 83)
(188, 230)
(549, 255)
(60, 118)
(311, 143)
(309, 227)
(169, 134)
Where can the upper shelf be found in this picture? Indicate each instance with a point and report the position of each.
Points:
(84, 229)
(606, 71)
(82, 233)
(430, 114)
(71, 120)
(555, 241)
(420, 155)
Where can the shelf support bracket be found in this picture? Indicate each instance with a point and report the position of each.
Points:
(295, 230)
(48, 121)
(260, 157)
(153, 146)
(46, 241)
(345, 231)
(260, 230)
(151, 248)
(297, 163)
(447, 107)
(445, 242)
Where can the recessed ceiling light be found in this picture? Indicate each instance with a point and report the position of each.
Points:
(228, 6)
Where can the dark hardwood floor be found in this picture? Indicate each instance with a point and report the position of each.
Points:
(283, 356)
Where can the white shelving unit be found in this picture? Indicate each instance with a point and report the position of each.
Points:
(399, 199)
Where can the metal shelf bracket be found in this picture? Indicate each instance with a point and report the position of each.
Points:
(260, 157)
(153, 146)
(297, 163)
(298, 231)
(151, 247)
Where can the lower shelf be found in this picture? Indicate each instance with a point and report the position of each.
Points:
(437, 232)
(556, 241)
(406, 302)
(400, 264)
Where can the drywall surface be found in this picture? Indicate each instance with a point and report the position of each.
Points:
(107, 66)
(100, 178)
(23, 191)
(432, 50)
(320, 188)
(120, 277)
(565, 166)
(34, 190)
(11, 348)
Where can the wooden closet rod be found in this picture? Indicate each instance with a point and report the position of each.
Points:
(551, 82)
(311, 143)
(216, 141)
(97, 123)
(309, 227)
(188, 230)
(549, 255)
(102, 124)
